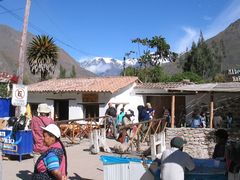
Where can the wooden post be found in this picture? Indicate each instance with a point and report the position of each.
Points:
(147, 133)
(153, 149)
(173, 111)
(157, 144)
(96, 140)
(211, 109)
(23, 44)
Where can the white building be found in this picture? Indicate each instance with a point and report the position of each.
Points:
(77, 98)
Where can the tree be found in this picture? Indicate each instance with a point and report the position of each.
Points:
(220, 78)
(193, 77)
(3, 90)
(152, 74)
(160, 51)
(42, 55)
(62, 73)
(73, 73)
(201, 60)
(156, 51)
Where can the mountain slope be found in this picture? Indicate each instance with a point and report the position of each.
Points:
(228, 44)
(9, 51)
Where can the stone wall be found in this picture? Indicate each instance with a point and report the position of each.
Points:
(200, 141)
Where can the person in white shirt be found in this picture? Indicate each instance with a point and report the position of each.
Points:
(174, 161)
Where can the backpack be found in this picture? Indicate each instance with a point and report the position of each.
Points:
(46, 175)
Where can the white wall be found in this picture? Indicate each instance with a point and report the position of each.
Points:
(75, 109)
(125, 96)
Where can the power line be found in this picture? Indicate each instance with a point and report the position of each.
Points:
(58, 28)
(38, 29)
(5, 12)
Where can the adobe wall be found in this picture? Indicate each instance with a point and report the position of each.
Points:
(200, 141)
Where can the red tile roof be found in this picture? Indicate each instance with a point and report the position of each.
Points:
(92, 84)
(5, 78)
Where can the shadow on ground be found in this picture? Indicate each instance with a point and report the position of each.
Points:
(77, 177)
(16, 157)
(26, 175)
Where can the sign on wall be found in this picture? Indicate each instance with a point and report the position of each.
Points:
(89, 97)
(234, 74)
(19, 95)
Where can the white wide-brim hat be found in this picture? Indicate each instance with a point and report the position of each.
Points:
(128, 113)
(53, 129)
(43, 108)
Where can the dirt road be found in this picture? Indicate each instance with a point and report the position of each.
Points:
(81, 165)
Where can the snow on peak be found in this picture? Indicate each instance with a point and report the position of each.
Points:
(106, 66)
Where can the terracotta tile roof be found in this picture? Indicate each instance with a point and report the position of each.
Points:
(92, 84)
(161, 85)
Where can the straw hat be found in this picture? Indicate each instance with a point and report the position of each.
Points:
(43, 108)
(53, 129)
(128, 113)
(149, 105)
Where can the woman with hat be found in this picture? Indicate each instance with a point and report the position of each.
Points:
(37, 122)
(52, 164)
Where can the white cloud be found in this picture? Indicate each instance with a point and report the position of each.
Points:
(230, 14)
(191, 35)
(99, 68)
(84, 58)
(224, 19)
(207, 18)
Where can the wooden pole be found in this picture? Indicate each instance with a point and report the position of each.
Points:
(173, 111)
(22, 50)
(23, 43)
(211, 109)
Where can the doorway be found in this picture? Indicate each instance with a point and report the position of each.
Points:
(61, 109)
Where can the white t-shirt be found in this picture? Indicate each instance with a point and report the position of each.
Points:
(174, 163)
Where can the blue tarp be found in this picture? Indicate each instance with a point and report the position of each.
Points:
(5, 107)
(121, 160)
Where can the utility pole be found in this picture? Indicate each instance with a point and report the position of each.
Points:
(124, 65)
(23, 45)
(21, 57)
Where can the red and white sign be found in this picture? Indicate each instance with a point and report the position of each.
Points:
(19, 95)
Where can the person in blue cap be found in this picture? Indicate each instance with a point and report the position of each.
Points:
(174, 161)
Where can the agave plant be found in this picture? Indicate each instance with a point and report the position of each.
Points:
(42, 55)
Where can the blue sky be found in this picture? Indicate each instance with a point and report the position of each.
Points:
(105, 28)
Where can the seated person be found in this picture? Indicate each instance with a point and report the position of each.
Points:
(196, 121)
(217, 120)
(175, 161)
(221, 140)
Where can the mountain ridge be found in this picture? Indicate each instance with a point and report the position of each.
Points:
(228, 40)
(104, 66)
(9, 51)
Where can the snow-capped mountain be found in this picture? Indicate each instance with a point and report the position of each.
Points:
(103, 66)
